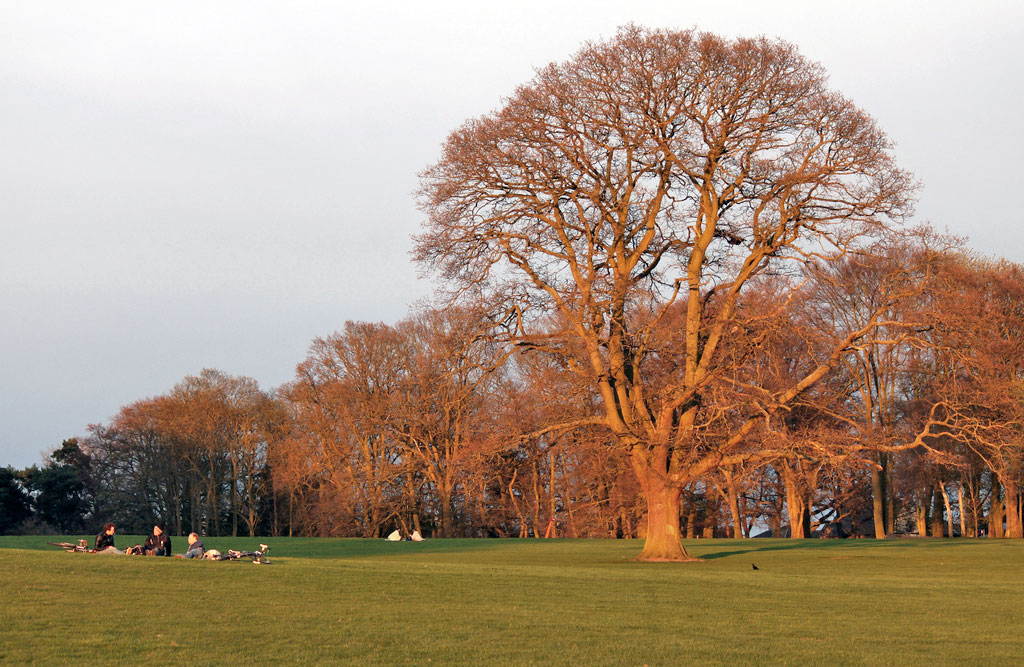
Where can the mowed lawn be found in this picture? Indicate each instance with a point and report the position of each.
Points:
(578, 602)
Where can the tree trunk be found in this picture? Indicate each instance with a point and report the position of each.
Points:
(275, 530)
(662, 541)
(737, 522)
(775, 524)
(252, 509)
(572, 519)
(1014, 529)
(178, 514)
(234, 497)
(974, 500)
(626, 525)
(890, 502)
(691, 515)
(995, 512)
(922, 511)
(963, 514)
(515, 504)
(196, 517)
(878, 495)
(949, 510)
(796, 505)
(710, 519)
(709, 527)
(552, 527)
(732, 498)
(797, 515)
(444, 511)
(937, 528)
(536, 500)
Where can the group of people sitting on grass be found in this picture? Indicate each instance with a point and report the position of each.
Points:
(157, 544)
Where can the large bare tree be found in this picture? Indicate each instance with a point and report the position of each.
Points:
(657, 170)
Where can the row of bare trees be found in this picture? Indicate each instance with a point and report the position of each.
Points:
(195, 458)
(435, 424)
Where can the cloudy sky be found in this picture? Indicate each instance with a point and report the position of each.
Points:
(213, 184)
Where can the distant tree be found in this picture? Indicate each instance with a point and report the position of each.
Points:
(340, 462)
(141, 476)
(386, 421)
(439, 414)
(222, 426)
(870, 391)
(978, 392)
(655, 169)
(195, 458)
(15, 503)
(60, 489)
(261, 425)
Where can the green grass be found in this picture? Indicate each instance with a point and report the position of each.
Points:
(519, 602)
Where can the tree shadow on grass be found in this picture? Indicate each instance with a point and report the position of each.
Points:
(752, 546)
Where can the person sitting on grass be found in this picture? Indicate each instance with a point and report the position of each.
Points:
(105, 540)
(195, 547)
(157, 544)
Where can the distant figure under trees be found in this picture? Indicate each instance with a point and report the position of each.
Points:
(651, 178)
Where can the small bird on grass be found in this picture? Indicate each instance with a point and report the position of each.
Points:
(754, 566)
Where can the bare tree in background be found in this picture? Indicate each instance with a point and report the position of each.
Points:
(340, 457)
(978, 379)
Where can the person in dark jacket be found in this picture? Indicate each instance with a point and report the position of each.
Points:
(105, 540)
(157, 544)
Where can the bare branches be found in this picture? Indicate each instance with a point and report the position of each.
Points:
(654, 167)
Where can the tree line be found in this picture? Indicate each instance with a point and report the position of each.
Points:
(432, 424)
(677, 295)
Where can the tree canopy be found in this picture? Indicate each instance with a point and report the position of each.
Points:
(658, 171)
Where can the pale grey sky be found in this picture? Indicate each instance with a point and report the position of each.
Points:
(213, 184)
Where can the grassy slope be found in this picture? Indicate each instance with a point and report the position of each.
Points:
(520, 601)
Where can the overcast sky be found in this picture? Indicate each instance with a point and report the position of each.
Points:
(213, 184)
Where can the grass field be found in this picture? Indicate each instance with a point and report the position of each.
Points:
(579, 602)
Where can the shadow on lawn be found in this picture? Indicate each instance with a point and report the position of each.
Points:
(753, 546)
